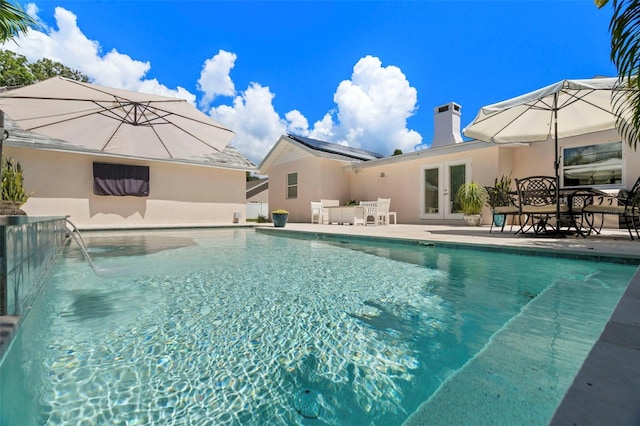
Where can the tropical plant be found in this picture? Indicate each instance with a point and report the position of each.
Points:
(499, 196)
(625, 54)
(471, 197)
(13, 182)
(13, 20)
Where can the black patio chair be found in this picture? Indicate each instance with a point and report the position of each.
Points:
(502, 204)
(537, 203)
(625, 205)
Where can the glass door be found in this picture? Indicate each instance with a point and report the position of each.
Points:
(439, 184)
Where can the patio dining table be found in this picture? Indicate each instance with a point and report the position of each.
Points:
(570, 219)
(576, 199)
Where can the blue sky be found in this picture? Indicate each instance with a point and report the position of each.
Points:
(363, 73)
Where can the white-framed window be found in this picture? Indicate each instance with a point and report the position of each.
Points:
(593, 165)
(292, 185)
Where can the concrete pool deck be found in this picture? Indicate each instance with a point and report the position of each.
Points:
(606, 389)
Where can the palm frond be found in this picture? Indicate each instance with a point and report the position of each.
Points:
(626, 107)
(13, 20)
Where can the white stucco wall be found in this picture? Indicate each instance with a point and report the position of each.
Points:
(180, 195)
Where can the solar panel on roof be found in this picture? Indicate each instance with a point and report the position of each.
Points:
(333, 148)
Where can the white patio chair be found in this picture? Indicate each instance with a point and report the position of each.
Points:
(317, 213)
(383, 211)
(370, 212)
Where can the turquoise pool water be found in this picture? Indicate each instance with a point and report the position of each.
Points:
(237, 327)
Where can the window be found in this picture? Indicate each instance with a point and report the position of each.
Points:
(592, 165)
(292, 185)
(120, 179)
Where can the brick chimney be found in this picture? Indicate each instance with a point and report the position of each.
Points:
(446, 125)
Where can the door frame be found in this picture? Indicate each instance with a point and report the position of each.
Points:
(445, 195)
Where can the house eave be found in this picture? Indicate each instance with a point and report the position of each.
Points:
(426, 153)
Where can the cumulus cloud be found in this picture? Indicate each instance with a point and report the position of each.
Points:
(257, 124)
(215, 79)
(371, 111)
(68, 45)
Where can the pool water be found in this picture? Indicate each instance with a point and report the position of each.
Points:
(214, 327)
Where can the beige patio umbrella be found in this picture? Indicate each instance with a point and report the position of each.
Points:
(563, 109)
(114, 120)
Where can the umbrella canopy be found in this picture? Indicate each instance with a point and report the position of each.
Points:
(560, 110)
(114, 120)
(582, 106)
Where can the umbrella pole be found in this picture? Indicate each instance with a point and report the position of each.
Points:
(556, 159)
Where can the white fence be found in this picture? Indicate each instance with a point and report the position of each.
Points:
(257, 209)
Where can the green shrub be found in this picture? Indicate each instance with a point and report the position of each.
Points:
(13, 182)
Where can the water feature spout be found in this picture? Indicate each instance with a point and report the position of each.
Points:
(75, 234)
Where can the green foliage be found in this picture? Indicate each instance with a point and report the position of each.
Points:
(262, 219)
(625, 54)
(471, 197)
(45, 68)
(280, 211)
(13, 182)
(15, 70)
(351, 203)
(13, 20)
(397, 152)
(500, 197)
(251, 177)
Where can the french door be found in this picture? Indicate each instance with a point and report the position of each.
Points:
(439, 183)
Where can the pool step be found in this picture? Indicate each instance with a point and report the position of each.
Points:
(521, 375)
(7, 328)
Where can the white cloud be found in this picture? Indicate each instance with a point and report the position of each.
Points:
(71, 47)
(215, 79)
(252, 115)
(371, 110)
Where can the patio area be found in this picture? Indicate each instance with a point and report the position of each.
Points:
(606, 390)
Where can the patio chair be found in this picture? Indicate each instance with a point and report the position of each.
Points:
(625, 205)
(370, 212)
(383, 210)
(583, 221)
(317, 213)
(537, 203)
(502, 204)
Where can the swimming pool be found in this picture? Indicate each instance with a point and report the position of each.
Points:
(236, 327)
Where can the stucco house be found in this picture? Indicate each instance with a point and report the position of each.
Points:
(422, 183)
(199, 191)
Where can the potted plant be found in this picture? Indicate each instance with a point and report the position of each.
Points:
(471, 198)
(13, 193)
(279, 218)
(499, 196)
